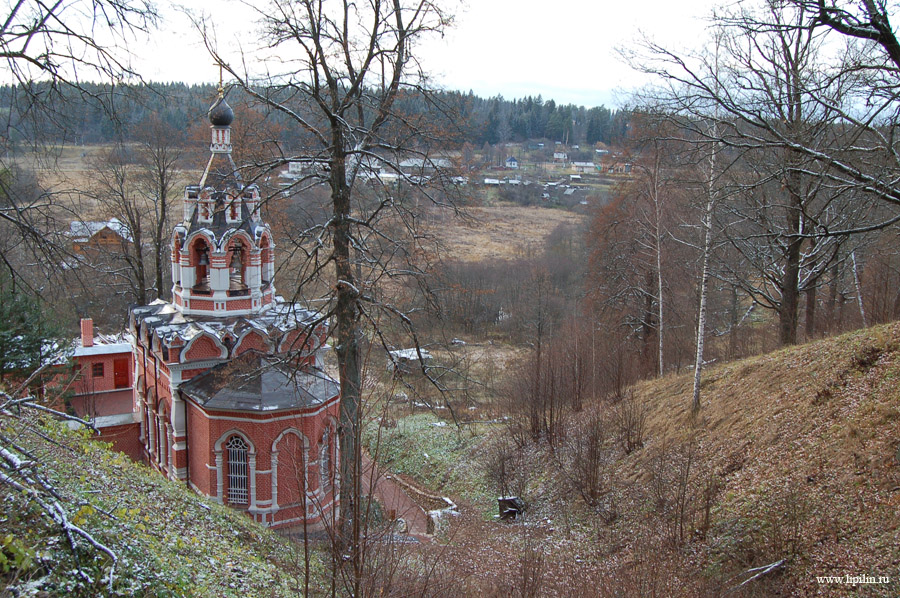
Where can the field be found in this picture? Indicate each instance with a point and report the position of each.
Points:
(499, 232)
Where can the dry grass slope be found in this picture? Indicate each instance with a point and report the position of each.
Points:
(499, 232)
(803, 443)
(169, 542)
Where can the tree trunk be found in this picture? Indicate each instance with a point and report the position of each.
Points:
(859, 297)
(704, 282)
(161, 238)
(347, 334)
(832, 296)
(790, 282)
(659, 275)
(647, 325)
(811, 312)
(790, 294)
(732, 334)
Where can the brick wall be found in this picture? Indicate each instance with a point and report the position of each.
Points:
(125, 439)
(239, 304)
(203, 348)
(88, 383)
(262, 431)
(253, 340)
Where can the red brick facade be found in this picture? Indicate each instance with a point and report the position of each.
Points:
(102, 385)
(125, 439)
(284, 458)
(202, 348)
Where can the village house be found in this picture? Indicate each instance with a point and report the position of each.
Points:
(619, 168)
(91, 238)
(512, 163)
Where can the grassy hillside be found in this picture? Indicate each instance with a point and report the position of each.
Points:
(800, 450)
(791, 463)
(168, 541)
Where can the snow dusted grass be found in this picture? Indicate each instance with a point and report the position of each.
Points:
(433, 454)
(168, 540)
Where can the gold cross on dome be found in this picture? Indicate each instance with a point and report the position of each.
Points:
(221, 80)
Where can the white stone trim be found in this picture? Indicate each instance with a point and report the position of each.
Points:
(305, 414)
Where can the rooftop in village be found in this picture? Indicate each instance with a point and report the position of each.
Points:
(82, 232)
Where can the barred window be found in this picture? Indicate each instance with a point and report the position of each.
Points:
(238, 493)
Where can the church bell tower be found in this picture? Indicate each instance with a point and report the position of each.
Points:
(222, 251)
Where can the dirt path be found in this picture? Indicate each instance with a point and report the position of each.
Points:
(397, 504)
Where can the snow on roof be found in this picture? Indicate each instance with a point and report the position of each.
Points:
(83, 231)
(104, 344)
(102, 349)
(425, 163)
(168, 322)
(409, 354)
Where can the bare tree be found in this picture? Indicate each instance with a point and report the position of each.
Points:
(864, 19)
(805, 162)
(338, 71)
(48, 50)
(45, 47)
(115, 189)
(160, 152)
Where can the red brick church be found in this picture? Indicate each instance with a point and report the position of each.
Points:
(230, 393)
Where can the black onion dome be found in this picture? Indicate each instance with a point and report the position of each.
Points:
(220, 114)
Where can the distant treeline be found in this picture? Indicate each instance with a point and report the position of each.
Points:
(103, 113)
(496, 120)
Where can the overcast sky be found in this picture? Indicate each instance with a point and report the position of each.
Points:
(561, 49)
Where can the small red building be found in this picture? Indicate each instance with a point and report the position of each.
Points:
(102, 387)
(230, 390)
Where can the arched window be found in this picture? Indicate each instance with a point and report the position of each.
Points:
(238, 486)
(236, 267)
(162, 437)
(200, 259)
(326, 461)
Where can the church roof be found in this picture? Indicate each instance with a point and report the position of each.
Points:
(221, 173)
(220, 226)
(169, 323)
(220, 113)
(255, 382)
